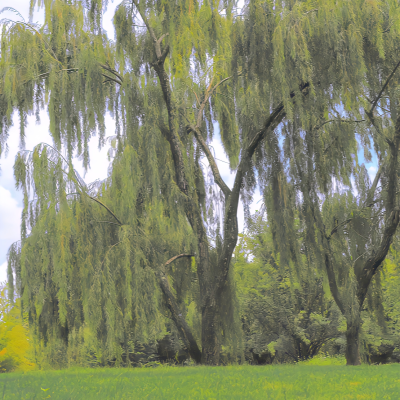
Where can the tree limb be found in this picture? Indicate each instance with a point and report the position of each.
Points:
(214, 167)
(177, 316)
(113, 71)
(171, 260)
(370, 113)
(374, 104)
(337, 227)
(230, 220)
(208, 94)
(110, 78)
(199, 137)
(103, 205)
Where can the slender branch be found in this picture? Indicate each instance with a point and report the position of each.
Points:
(161, 38)
(337, 227)
(214, 167)
(110, 78)
(41, 38)
(103, 205)
(199, 137)
(370, 113)
(164, 54)
(338, 120)
(113, 71)
(171, 260)
(79, 184)
(157, 42)
(209, 92)
(384, 87)
(145, 20)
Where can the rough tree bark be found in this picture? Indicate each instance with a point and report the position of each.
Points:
(352, 342)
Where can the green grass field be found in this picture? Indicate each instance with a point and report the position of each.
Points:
(241, 382)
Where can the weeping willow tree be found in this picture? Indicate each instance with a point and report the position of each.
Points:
(264, 75)
(95, 278)
(348, 222)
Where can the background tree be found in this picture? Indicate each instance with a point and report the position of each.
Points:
(268, 76)
(17, 352)
(286, 310)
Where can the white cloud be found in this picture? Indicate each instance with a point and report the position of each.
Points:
(372, 172)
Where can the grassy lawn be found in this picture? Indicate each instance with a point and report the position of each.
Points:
(305, 381)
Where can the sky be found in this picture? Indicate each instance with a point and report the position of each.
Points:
(11, 198)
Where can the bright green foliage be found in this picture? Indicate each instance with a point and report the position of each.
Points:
(286, 311)
(275, 45)
(17, 348)
(390, 283)
(381, 318)
(86, 280)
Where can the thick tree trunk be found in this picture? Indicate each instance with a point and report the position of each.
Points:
(353, 344)
(209, 334)
(184, 330)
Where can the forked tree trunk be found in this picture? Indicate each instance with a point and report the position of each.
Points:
(353, 343)
(211, 284)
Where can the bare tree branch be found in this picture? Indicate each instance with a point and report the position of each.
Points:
(207, 95)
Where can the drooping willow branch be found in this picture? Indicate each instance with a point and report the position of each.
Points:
(370, 113)
(76, 180)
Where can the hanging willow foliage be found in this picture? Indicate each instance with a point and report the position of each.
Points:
(278, 79)
(83, 269)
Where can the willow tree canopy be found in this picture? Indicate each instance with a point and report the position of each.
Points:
(267, 76)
